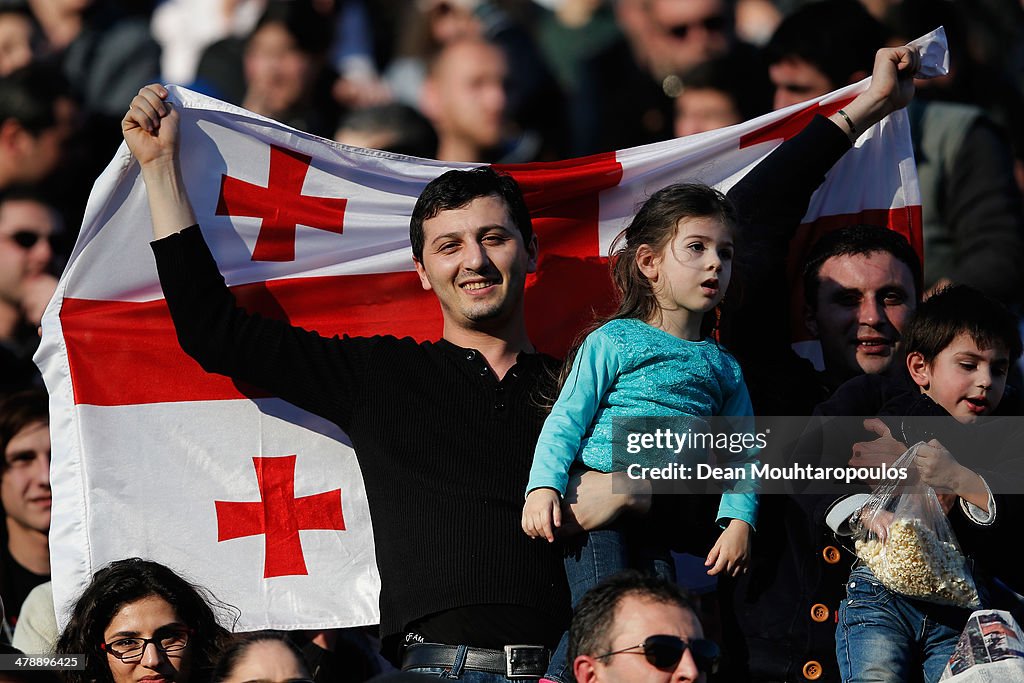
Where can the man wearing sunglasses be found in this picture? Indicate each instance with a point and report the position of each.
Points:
(638, 628)
(26, 224)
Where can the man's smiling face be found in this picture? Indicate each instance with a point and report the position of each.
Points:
(475, 261)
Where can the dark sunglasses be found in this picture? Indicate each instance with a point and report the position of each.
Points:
(664, 652)
(715, 24)
(26, 239)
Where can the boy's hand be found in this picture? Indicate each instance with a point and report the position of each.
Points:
(938, 468)
(542, 513)
(878, 523)
(732, 550)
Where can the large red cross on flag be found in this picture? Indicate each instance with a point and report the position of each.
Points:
(154, 457)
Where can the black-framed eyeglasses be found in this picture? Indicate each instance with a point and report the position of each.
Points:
(713, 24)
(131, 649)
(664, 652)
(26, 239)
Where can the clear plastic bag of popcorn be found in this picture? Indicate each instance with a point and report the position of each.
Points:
(902, 535)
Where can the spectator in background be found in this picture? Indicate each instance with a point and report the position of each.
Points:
(185, 28)
(634, 614)
(286, 74)
(820, 48)
(262, 656)
(464, 97)
(971, 206)
(391, 127)
(27, 224)
(573, 31)
(686, 33)
(986, 59)
(25, 493)
(36, 121)
(534, 102)
(628, 90)
(21, 39)
(722, 92)
(104, 52)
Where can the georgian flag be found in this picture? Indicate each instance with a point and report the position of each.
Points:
(245, 494)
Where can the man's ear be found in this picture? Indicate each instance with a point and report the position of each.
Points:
(533, 254)
(811, 321)
(11, 132)
(422, 272)
(919, 369)
(584, 669)
(647, 261)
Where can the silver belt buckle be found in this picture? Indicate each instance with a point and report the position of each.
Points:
(510, 652)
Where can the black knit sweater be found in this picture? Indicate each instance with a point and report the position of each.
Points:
(444, 447)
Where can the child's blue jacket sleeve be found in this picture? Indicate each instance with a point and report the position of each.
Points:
(594, 370)
(742, 502)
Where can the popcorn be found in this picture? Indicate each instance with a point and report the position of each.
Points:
(914, 562)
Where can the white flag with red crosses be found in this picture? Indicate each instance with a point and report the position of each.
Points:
(245, 494)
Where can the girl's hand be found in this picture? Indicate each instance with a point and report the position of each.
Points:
(732, 550)
(542, 513)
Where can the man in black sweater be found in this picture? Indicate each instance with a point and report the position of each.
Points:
(444, 431)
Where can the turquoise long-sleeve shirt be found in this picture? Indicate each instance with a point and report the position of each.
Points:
(626, 369)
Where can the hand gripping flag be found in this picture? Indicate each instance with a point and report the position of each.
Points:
(245, 494)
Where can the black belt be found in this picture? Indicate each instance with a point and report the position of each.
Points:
(515, 661)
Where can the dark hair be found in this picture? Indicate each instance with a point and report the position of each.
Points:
(960, 309)
(33, 193)
(20, 8)
(311, 30)
(456, 189)
(18, 411)
(838, 37)
(654, 225)
(236, 651)
(741, 76)
(857, 240)
(30, 94)
(126, 581)
(411, 132)
(594, 617)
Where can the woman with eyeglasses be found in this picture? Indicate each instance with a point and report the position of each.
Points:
(262, 657)
(139, 622)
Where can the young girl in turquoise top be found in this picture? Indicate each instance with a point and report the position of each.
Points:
(652, 358)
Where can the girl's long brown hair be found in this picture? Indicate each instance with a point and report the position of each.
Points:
(654, 224)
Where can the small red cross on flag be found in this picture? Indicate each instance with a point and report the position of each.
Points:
(280, 516)
(281, 205)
